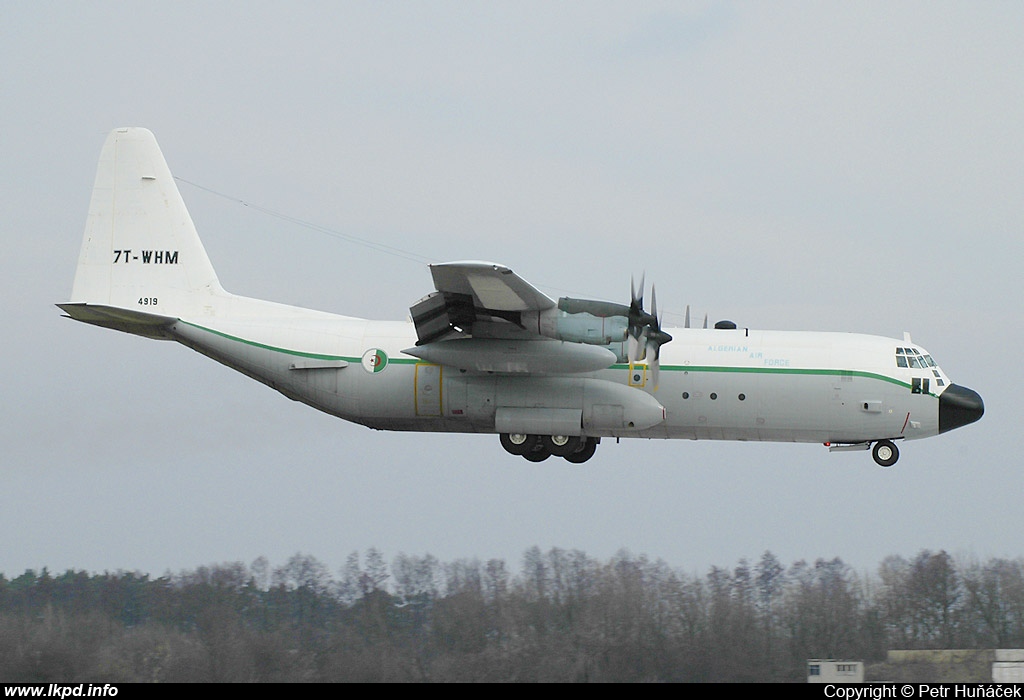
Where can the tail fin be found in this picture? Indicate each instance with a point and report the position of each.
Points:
(141, 260)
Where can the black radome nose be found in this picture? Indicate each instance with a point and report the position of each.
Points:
(959, 406)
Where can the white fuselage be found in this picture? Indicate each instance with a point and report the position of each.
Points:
(736, 384)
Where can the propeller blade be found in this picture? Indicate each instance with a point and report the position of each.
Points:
(654, 355)
(632, 349)
(686, 318)
(636, 301)
(636, 320)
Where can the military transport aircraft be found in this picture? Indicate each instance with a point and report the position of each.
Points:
(486, 352)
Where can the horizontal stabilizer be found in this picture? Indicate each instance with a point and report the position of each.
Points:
(127, 320)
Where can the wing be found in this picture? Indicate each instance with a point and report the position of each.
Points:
(486, 318)
(492, 286)
(475, 298)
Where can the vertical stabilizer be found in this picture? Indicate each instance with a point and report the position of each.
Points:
(141, 252)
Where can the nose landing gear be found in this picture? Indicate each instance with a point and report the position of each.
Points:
(885, 453)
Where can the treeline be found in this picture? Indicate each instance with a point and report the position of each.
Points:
(564, 616)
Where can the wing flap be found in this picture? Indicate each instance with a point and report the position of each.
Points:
(491, 286)
(474, 295)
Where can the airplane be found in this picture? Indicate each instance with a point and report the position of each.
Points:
(486, 352)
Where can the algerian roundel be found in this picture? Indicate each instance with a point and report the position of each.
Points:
(375, 360)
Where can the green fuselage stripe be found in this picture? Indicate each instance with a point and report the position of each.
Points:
(285, 351)
(664, 368)
(777, 370)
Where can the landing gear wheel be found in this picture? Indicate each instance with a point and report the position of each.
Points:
(885, 453)
(537, 455)
(517, 443)
(562, 445)
(587, 449)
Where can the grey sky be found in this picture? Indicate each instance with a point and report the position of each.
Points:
(790, 165)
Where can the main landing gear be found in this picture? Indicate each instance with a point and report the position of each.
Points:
(537, 448)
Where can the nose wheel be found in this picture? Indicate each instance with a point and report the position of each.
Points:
(885, 453)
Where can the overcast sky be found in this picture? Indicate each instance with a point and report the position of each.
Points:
(787, 165)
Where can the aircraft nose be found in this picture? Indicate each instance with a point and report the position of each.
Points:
(959, 406)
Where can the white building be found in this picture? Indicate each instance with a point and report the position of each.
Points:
(1008, 666)
(834, 671)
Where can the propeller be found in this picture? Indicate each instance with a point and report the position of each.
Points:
(636, 326)
(686, 319)
(644, 333)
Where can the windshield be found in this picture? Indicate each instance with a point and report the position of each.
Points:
(914, 358)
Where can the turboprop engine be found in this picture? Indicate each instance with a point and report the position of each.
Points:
(581, 321)
(604, 323)
(488, 317)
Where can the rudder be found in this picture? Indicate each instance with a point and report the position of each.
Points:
(141, 252)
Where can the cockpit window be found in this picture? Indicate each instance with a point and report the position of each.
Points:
(914, 358)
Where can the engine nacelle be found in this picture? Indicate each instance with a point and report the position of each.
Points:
(590, 329)
(581, 321)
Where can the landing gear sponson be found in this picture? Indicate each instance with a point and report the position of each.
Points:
(884, 452)
(537, 448)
